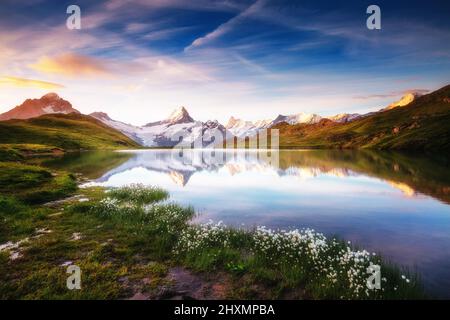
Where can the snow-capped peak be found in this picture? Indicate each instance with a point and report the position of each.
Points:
(48, 104)
(180, 115)
(308, 118)
(51, 96)
(238, 123)
(263, 123)
(100, 115)
(232, 122)
(404, 101)
(344, 117)
(211, 123)
(242, 128)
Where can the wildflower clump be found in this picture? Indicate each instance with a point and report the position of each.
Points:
(328, 268)
(333, 268)
(168, 217)
(207, 235)
(293, 245)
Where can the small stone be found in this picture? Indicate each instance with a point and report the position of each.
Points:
(43, 231)
(15, 255)
(76, 236)
(55, 214)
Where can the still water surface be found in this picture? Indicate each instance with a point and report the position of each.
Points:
(394, 204)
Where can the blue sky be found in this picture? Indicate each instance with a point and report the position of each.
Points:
(139, 59)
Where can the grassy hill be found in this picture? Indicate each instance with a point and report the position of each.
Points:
(422, 125)
(66, 131)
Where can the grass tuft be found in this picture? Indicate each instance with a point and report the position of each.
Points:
(138, 194)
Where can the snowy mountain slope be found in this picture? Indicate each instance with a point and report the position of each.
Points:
(241, 128)
(178, 129)
(129, 130)
(345, 117)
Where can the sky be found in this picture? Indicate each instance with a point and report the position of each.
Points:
(137, 60)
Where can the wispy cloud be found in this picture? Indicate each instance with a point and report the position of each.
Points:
(198, 5)
(165, 33)
(227, 26)
(98, 18)
(251, 65)
(71, 64)
(163, 71)
(136, 27)
(24, 82)
(391, 94)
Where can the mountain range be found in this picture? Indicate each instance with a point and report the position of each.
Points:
(297, 130)
(164, 133)
(168, 132)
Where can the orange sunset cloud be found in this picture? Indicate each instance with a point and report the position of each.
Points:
(73, 65)
(23, 82)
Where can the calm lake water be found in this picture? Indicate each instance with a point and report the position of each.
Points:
(391, 203)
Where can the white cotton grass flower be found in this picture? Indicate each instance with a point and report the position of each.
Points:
(331, 262)
(202, 236)
(312, 248)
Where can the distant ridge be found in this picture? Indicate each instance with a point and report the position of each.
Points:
(422, 125)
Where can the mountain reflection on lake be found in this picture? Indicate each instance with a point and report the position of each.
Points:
(392, 203)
